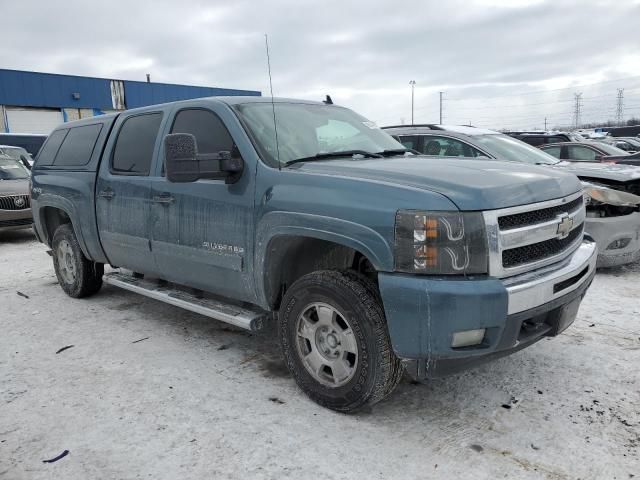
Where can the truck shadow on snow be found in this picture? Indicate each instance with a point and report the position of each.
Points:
(246, 353)
(17, 236)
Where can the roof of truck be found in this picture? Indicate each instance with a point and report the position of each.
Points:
(230, 100)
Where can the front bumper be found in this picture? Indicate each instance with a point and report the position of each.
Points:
(15, 219)
(423, 313)
(607, 230)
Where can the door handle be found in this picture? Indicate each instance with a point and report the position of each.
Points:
(165, 198)
(108, 193)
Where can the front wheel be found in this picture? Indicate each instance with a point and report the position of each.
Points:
(78, 276)
(335, 341)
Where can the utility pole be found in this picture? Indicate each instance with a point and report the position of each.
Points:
(441, 107)
(545, 124)
(577, 109)
(619, 106)
(413, 86)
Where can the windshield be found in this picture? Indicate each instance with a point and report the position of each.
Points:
(611, 150)
(633, 141)
(509, 148)
(307, 130)
(14, 152)
(11, 169)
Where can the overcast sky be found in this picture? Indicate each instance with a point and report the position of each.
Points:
(501, 63)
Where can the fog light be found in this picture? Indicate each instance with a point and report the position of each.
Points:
(467, 338)
(618, 244)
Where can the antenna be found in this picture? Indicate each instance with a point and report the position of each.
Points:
(273, 105)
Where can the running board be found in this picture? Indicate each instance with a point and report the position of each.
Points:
(235, 315)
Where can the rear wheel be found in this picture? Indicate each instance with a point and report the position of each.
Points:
(78, 276)
(335, 341)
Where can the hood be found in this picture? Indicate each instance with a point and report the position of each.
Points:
(14, 187)
(605, 171)
(471, 184)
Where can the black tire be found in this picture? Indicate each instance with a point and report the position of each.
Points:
(375, 372)
(86, 276)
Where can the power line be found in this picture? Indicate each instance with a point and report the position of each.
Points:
(521, 105)
(573, 87)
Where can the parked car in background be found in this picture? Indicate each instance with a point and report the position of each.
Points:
(628, 144)
(15, 205)
(613, 191)
(31, 142)
(541, 138)
(351, 247)
(17, 153)
(590, 151)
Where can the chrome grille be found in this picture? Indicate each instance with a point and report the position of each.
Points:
(537, 251)
(537, 216)
(528, 237)
(15, 202)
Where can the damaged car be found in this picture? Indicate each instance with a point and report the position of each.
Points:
(612, 195)
(612, 192)
(15, 205)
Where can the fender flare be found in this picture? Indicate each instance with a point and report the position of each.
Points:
(343, 232)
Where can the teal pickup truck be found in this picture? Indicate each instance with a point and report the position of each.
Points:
(366, 259)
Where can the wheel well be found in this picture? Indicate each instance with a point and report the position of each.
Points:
(52, 218)
(290, 257)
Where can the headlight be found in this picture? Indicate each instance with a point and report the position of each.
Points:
(609, 196)
(440, 243)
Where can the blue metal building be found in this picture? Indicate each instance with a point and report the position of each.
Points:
(32, 102)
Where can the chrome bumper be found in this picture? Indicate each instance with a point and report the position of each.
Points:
(541, 286)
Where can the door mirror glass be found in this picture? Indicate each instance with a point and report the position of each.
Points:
(184, 164)
(180, 151)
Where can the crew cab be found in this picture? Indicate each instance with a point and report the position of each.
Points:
(366, 259)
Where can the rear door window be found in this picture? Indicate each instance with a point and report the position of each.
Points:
(533, 140)
(448, 147)
(135, 144)
(409, 141)
(48, 153)
(77, 148)
(555, 151)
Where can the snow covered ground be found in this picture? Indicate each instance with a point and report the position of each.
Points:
(151, 391)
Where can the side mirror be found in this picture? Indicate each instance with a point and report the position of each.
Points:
(599, 158)
(184, 164)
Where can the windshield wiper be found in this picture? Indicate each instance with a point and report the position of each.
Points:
(322, 156)
(397, 151)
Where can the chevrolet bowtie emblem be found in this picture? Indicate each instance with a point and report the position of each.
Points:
(565, 225)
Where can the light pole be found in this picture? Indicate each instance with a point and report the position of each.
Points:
(413, 86)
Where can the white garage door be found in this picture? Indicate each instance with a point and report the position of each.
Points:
(33, 120)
